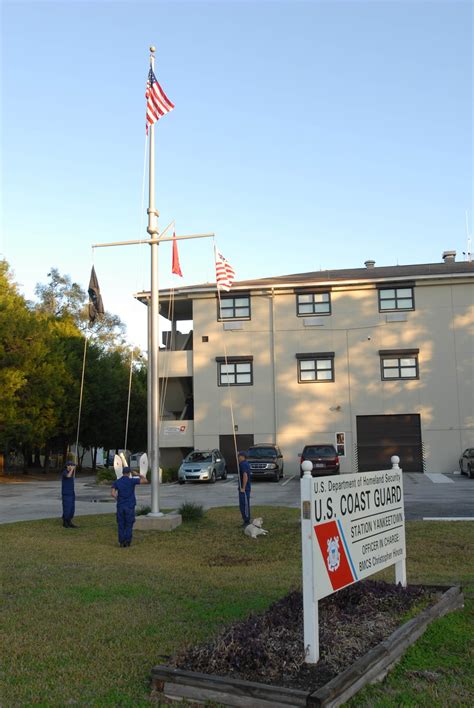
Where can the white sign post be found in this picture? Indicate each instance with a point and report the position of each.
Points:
(352, 526)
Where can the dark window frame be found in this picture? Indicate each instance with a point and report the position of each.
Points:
(315, 357)
(313, 313)
(223, 298)
(399, 354)
(233, 361)
(396, 286)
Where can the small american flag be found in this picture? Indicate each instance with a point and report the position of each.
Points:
(225, 274)
(157, 102)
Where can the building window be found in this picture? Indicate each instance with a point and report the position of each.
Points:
(313, 304)
(234, 371)
(234, 308)
(399, 364)
(396, 299)
(317, 367)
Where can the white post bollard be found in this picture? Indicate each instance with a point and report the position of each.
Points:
(310, 604)
(400, 566)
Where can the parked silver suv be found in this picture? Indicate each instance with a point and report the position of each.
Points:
(266, 461)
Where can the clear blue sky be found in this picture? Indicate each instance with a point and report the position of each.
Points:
(306, 135)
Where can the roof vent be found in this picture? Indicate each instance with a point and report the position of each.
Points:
(369, 264)
(449, 256)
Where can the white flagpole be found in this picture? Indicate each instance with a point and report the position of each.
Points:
(153, 333)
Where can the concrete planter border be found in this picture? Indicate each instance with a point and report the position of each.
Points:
(196, 687)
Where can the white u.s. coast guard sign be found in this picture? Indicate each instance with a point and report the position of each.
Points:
(352, 526)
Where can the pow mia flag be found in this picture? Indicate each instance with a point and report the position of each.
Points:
(96, 306)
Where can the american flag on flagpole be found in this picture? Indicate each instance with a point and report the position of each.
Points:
(157, 102)
(225, 274)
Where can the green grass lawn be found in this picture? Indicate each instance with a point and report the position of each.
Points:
(84, 620)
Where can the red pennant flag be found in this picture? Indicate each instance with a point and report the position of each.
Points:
(175, 268)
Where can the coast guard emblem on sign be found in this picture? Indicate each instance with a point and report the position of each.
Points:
(334, 557)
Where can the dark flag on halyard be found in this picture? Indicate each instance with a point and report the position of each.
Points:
(96, 306)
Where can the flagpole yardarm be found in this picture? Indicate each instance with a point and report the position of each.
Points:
(151, 241)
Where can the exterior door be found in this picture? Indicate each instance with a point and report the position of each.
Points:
(226, 446)
(381, 436)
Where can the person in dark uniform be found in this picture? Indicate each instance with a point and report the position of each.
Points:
(68, 495)
(123, 490)
(244, 488)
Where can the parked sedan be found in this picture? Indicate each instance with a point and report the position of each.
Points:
(202, 466)
(466, 462)
(324, 458)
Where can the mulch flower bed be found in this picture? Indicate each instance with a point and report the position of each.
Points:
(268, 648)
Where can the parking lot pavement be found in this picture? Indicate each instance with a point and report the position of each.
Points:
(41, 499)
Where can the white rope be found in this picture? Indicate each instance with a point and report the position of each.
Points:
(164, 388)
(139, 279)
(128, 401)
(140, 276)
(82, 377)
(80, 398)
(226, 364)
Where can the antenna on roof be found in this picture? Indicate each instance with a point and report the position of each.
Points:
(468, 253)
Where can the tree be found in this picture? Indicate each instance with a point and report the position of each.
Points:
(60, 297)
(36, 382)
(63, 299)
(41, 359)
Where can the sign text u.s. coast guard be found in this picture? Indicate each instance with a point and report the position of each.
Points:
(359, 527)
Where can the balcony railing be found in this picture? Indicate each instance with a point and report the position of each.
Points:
(177, 341)
(175, 363)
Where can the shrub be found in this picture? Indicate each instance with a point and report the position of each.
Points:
(106, 474)
(191, 512)
(142, 510)
(168, 474)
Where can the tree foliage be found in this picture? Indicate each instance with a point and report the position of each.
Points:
(42, 349)
(62, 299)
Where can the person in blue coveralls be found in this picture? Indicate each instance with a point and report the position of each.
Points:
(123, 490)
(68, 495)
(244, 488)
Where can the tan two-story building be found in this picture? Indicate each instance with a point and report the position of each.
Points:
(376, 360)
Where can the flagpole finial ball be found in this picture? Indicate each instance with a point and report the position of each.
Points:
(152, 49)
